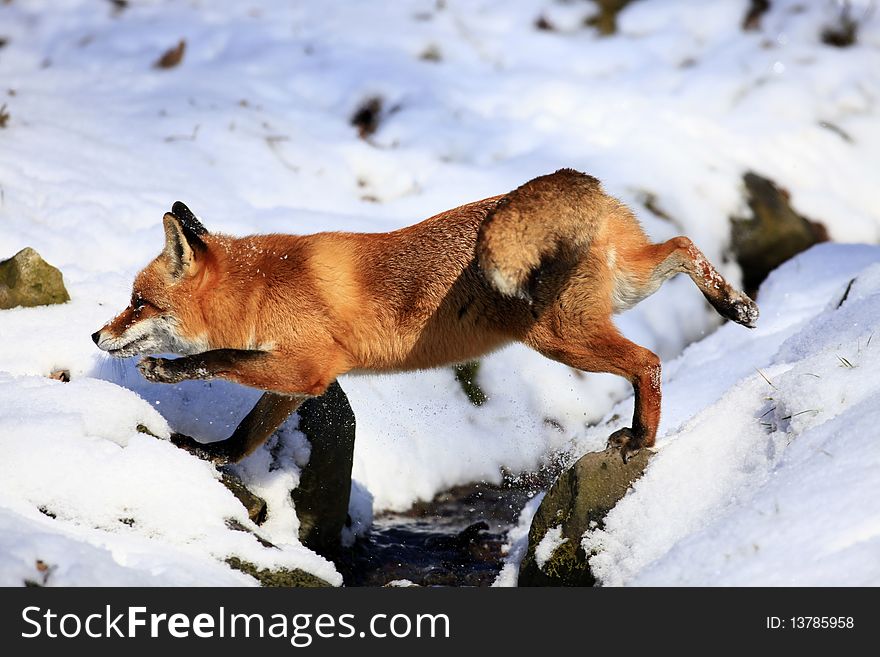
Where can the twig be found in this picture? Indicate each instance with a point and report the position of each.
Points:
(846, 293)
(809, 410)
(763, 376)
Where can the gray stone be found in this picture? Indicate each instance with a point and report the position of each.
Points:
(28, 280)
(578, 500)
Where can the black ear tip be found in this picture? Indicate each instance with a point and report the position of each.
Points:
(187, 218)
(180, 210)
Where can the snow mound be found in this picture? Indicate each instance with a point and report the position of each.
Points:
(83, 491)
(765, 472)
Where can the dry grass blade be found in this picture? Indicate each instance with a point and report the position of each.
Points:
(764, 376)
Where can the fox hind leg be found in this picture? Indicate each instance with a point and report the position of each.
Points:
(608, 351)
(679, 255)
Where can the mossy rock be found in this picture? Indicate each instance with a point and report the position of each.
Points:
(284, 577)
(579, 500)
(773, 234)
(28, 280)
(605, 18)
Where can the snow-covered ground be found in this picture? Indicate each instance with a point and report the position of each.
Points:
(252, 130)
(767, 466)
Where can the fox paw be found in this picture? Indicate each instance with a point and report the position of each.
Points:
(745, 311)
(157, 370)
(626, 442)
(739, 308)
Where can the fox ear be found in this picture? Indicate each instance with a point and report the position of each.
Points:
(182, 246)
(188, 219)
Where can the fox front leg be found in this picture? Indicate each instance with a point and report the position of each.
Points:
(218, 363)
(265, 417)
(288, 378)
(161, 370)
(254, 368)
(283, 372)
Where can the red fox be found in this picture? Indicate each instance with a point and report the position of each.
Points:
(546, 265)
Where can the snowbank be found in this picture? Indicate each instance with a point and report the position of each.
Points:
(765, 472)
(81, 482)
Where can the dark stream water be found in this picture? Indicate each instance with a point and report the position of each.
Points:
(454, 540)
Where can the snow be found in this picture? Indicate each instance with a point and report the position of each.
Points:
(517, 543)
(548, 545)
(87, 559)
(252, 131)
(77, 471)
(768, 478)
(360, 512)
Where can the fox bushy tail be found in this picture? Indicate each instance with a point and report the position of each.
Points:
(533, 223)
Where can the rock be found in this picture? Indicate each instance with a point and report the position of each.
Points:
(235, 525)
(605, 18)
(578, 500)
(322, 496)
(321, 499)
(286, 577)
(774, 233)
(844, 31)
(255, 505)
(28, 280)
(752, 20)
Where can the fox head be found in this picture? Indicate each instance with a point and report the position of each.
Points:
(164, 315)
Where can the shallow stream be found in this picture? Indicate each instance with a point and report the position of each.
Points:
(454, 540)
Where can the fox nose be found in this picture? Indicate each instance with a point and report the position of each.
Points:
(96, 336)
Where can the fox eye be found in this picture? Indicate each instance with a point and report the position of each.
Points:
(138, 303)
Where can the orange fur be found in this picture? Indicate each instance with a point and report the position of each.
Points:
(546, 265)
